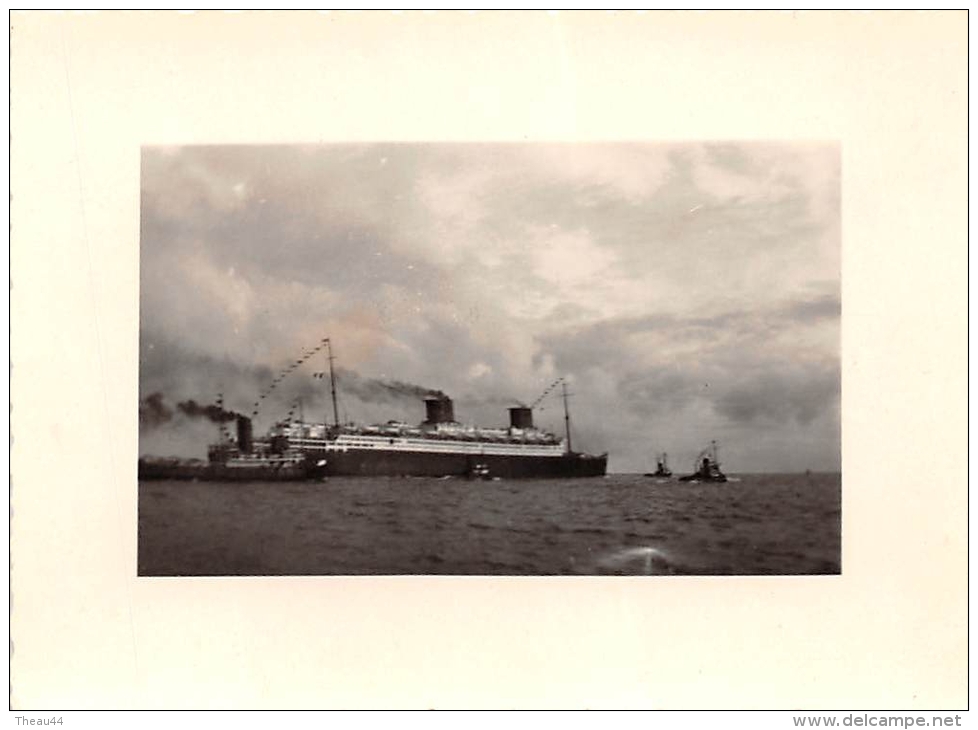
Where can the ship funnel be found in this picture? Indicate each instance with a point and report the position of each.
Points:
(521, 417)
(244, 435)
(439, 409)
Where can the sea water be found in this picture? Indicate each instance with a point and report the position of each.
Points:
(622, 524)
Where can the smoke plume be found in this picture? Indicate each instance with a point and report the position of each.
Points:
(211, 412)
(372, 390)
(153, 411)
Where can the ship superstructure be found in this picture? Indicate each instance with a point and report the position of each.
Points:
(440, 446)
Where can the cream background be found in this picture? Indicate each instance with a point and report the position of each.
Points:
(89, 89)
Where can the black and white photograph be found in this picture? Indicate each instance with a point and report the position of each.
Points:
(453, 360)
(490, 359)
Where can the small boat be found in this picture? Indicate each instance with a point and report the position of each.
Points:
(707, 467)
(661, 468)
(479, 471)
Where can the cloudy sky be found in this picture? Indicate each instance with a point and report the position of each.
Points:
(688, 292)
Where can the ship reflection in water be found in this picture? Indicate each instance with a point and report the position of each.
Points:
(616, 525)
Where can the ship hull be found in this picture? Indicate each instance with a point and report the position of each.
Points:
(357, 462)
(371, 462)
(699, 478)
(223, 473)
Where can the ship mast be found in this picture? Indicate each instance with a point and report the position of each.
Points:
(332, 383)
(566, 417)
(222, 434)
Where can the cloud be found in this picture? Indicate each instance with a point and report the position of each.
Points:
(751, 375)
(777, 395)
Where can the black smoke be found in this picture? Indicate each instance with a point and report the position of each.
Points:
(153, 411)
(373, 390)
(211, 412)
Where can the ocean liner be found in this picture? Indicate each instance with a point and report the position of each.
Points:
(439, 446)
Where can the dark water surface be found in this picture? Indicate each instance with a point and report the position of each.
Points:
(617, 525)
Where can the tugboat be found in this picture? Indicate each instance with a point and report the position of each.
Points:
(707, 467)
(244, 460)
(661, 468)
